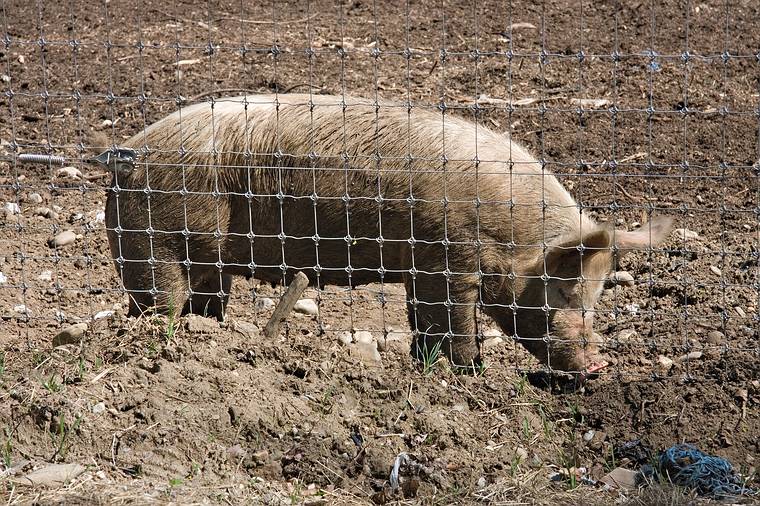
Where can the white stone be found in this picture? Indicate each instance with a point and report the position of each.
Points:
(34, 198)
(46, 276)
(626, 335)
(63, 239)
(363, 337)
(69, 173)
(102, 314)
(263, 303)
(494, 341)
(99, 408)
(665, 362)
(12, 208)
(306, 306)
(694, 355)
(685, 234)
(3, 278)
(367, 352)
(345, 337)
(623, 278)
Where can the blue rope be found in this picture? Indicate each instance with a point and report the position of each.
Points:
(687, 466)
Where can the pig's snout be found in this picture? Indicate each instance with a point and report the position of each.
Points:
(582, 354)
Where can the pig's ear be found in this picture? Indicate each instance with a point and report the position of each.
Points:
(563, 258)
(650, 234)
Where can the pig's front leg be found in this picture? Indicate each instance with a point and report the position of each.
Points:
(442, 316)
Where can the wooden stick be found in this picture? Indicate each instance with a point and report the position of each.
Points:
(286, 304)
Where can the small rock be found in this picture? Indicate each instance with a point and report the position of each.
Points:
(3, 278)
(70, 335)
(263, 303)
(345, 337)
(622, 278)
(492, 342)
(45, 276)
(715, 270)
(198, 324)
(620, 478)
(521, 453)
(12, 208)
(20, 308)
(34, 198)
(482, 482)
(68, 173)
(490, 332)
(665, 362)
(715, 337)
(367, 353)
(589, 435)
(363, 337)
(248, 330)
(53, 475)
(740, 312)
(596, 442)
(626, 335)
(694, 355)
(45, 212)
(63, 239)
(742, 394)
(306, 306)
(102, 314)
(99, 408)
(590, 103)
(685, 234)
(5, 78)
(632, 308)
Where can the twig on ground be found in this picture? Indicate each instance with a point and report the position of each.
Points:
(286, 304)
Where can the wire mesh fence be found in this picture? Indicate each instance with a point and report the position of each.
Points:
(299, 173)
(521, 187)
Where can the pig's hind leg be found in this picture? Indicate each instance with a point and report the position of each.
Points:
(162, 287)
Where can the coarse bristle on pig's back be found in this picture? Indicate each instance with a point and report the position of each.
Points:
(387, 150)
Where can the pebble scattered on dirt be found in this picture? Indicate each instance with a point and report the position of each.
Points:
(63, 239)
(70, 335)
(715, 337)
(307, 307)
(622, 278)
(685, 234)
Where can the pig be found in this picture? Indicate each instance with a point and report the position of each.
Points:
(352, 191)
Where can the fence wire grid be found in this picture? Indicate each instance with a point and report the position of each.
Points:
(367, 144)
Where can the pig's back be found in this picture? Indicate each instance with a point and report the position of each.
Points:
(305, 145)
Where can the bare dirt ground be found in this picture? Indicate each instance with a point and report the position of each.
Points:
(194, 411)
